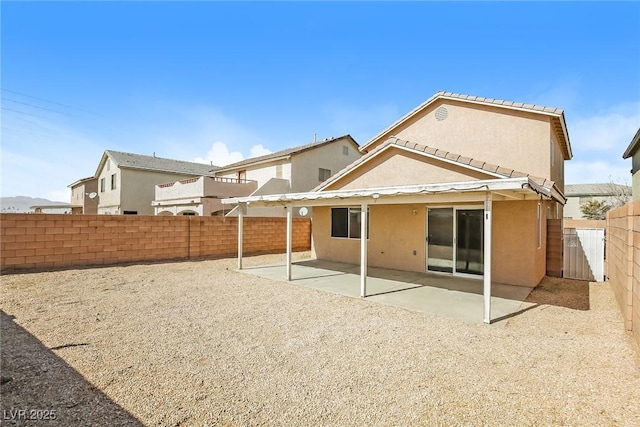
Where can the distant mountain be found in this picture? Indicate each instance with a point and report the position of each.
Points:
(20, 204)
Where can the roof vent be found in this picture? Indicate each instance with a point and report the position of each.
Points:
(441, 113)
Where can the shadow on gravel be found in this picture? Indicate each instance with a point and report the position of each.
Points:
(569, 293)
(40, 388)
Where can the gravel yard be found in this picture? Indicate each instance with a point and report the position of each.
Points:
(197, 343)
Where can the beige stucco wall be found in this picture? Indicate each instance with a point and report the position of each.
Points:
(262, 172)
(305, 166)
(400, 167)
(396, 232)
(109, 200)
(138, 190)
(81, 200)
(509, 138)
(635, 179)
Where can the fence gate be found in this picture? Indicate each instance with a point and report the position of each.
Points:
(584, 254)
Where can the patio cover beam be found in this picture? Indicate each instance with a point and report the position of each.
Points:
(486, 293)
(363, 249)
(242, 209)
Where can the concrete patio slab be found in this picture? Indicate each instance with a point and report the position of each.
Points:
(447, 296)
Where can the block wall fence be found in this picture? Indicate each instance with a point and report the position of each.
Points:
(46, 241)
(623, 262)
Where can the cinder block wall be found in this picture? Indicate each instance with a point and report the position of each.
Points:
(623, 262)
(32, 241)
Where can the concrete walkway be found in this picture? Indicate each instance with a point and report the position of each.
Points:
(453, 297)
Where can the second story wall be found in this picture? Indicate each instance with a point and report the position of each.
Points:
(513, 139)
(109, 184)
(305, 166)
(261, 173)
(138, 189)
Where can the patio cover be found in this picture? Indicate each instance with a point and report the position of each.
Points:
(522, 188)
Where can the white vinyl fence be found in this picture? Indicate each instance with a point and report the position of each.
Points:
(584, 254)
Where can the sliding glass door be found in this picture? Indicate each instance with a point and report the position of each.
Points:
(455, 240)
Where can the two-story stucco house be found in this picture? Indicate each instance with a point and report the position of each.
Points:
(461, 185)
(296, 169)
(126, 181)
(84, 198)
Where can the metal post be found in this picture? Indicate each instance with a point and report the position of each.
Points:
(241, 212)
(363, 250)
(289, 235)
(487, 259)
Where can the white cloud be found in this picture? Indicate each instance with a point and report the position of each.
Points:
(258, 150)
(219, 155)
(610, 130)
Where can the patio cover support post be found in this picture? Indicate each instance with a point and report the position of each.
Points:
(487, 259)
(241, 211)
(289, 235)
(363, 250)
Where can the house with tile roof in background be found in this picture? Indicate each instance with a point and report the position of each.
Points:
(461, 185)
(614, 195)
(126, 181)
(296, 169)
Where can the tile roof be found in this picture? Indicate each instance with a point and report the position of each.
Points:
(286, 152)
(140, 161)
(442, 154)
(601, 189)
(557, 113)
(633, 146)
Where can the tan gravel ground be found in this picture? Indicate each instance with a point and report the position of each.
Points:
(197, 343)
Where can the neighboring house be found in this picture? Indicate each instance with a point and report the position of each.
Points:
(126, 181)
(84, 196)
(461, 185)
(577, 194)
(292, 170)
(199, 195)
(632, 151)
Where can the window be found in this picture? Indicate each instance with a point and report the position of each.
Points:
(242, 176)
(113, 181)
(102, 185)
(108, 164)
(130, 212)
(345, 150)
(347, 222)
(324, 174)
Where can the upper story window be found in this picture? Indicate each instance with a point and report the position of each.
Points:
(324, 174)
(108, 164)
(242, 176)
(345, 150)
(113, 181)
(102, 185)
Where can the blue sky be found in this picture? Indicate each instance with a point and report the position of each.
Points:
(212, 81)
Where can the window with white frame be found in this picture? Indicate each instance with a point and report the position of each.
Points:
(102, 185)
(347, 223)
(113, 181)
